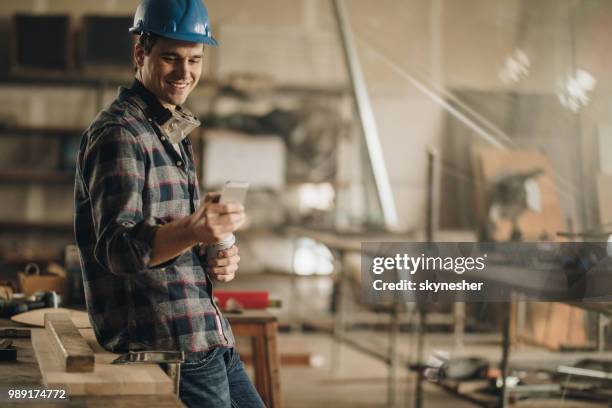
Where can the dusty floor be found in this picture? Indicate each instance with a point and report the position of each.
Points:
(360, 380)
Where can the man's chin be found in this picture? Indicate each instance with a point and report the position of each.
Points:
(175, 100)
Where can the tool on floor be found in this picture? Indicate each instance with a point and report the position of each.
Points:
(595, 369)
(169, 361)
(464, 368)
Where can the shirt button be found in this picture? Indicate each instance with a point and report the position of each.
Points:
(163, 138)
(150, 119)
(179, 163)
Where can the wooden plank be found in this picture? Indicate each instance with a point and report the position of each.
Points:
(70, 347)
(106, 379)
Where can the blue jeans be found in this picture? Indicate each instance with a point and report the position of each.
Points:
(217, 379)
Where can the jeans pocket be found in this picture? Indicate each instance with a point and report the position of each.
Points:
(235, 358)
(198, 360)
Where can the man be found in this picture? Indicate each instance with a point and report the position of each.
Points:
(139, 224)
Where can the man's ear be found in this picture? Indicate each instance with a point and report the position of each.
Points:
(139, 55)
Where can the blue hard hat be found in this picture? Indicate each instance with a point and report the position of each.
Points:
(185, 20)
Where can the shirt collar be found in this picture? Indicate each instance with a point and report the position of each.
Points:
(151, 104)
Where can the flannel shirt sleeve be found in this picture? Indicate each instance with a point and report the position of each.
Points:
(113, 169)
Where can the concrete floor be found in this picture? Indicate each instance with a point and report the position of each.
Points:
(361, 380)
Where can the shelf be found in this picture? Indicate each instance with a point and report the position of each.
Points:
(67, 79)
(38, 176)
(102, 81)
(35, 257)
(41, 226)
(39, 131)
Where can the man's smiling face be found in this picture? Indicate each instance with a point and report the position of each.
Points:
(171, 70)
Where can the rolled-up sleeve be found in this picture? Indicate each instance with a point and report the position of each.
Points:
(114, 169)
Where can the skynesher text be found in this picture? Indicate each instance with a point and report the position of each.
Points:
(428, 286)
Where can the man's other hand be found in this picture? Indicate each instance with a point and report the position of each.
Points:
(224, 267)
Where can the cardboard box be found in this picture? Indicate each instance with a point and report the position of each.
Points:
(32, 281)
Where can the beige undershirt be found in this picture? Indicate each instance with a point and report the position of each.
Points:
(177, 147)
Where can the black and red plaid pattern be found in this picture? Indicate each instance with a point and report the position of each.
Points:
(129, 180)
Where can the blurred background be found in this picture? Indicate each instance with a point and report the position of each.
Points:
(411, 120)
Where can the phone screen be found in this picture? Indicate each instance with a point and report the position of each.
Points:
(234, 192)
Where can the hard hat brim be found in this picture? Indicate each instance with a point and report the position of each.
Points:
(200, 39)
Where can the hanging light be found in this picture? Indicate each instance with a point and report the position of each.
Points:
(516, 67)
(573, 91)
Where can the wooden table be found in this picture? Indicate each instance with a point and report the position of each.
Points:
(259, 325)
(262, 328)
(24, 373)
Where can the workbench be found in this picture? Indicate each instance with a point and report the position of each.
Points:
(24, 373)
(258, 325)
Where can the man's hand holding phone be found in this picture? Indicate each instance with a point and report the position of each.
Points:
(213, 221)
(223, 214)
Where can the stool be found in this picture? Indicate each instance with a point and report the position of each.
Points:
(262, 328)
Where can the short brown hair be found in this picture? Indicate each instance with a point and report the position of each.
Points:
(146, 41)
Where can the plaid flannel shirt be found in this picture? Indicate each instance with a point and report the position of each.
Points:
(129, 180)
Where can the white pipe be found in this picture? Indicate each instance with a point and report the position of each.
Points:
(366, 118)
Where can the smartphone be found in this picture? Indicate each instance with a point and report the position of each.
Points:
(234, 192)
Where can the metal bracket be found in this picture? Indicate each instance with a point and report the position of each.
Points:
(169, 361)
(151, 357)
